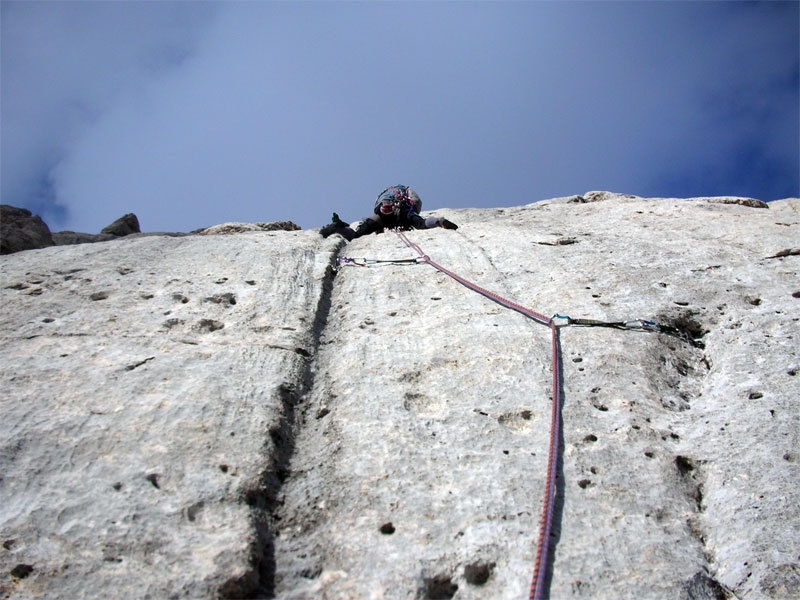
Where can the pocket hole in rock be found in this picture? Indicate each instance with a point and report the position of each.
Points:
(21, 571)
(439, 587)
(387, 528)
(228, 299)
(210, 325)
(194, 510)
(684, 464)
(478, 573)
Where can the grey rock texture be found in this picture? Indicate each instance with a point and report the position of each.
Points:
(21, 230)
(228, 228)
(147, 386)
(68, 238)
(226, 415)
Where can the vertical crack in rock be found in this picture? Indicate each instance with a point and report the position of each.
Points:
(701, 586)
(265, 498)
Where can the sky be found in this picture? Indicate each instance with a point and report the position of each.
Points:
(192, 114)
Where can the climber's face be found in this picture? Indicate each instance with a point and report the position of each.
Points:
(387, 207)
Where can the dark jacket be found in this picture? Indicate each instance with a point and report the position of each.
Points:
(377, 223)
(399, 211)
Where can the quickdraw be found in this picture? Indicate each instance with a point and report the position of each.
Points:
(371, 262)
(632, 324)
(635, 324)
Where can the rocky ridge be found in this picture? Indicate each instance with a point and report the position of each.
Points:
(21, 230)
(238, 416)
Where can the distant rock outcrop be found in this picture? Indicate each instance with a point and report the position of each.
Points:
(245, 416)
(125, 225)
(21, 230)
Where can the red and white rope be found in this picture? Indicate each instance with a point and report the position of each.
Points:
(537, 589)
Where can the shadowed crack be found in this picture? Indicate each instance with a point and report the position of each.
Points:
(264, 498)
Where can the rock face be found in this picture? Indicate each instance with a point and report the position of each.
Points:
(227, 415)
(148, 385)
(227, 228)
(21, 230)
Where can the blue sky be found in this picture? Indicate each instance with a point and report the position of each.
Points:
(191, 114)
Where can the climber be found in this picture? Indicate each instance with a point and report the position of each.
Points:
(396, 207)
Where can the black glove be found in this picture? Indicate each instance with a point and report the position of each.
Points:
(335, 226)
(447, 224)
(401, 210)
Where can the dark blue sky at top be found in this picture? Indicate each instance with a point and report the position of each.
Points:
(191, 114)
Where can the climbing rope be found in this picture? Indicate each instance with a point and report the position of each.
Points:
(538, 580)
(548, 505)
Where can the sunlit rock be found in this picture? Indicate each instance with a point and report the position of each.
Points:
(242, 415)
